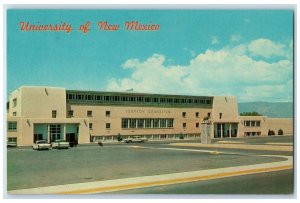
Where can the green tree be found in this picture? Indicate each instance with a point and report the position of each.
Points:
(253, 113)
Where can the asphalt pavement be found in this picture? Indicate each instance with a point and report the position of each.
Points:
(29, 169)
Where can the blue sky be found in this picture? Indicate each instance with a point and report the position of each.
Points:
(247, 53)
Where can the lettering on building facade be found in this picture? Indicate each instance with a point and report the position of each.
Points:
(150, 111)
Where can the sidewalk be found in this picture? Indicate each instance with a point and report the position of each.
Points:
(237, 146)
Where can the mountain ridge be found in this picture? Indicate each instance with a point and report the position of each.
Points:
(270, 109)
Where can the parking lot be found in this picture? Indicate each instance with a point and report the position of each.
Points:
(27, 168)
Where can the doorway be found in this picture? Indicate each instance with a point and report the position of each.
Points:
(72, 139)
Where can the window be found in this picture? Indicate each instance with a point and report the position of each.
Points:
(91, 126)
(124, 98)
(148, 123)
(107, 113)
(15, 102)
(163, 123)
(155, 123)
(54, 112)
(89, 113)
(162, 100)
(125, 123)
(140, 99)
(252, 123)
(107, 125)
(197, 114)
(12, 126)
(70, 113)
(169, 123)
(14, 113)
(140, 123)
(169, 100)
(55, 130)
(12, 139)
(197, 125)
(70, 96)
(220, 115)
(183, 114)
(184, 125)
(133, 123)
(90, 97)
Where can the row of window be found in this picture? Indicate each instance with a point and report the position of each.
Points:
(136, 99)
(128, 123)
(252, 123)
(252, 133)
(147, 122)
(107, 114)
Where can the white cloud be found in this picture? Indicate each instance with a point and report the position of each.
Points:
(266, 48)
(235, 38)
(228, 71)
(214, 40)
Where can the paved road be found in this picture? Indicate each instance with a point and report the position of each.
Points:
(28, 168)
(279, 182)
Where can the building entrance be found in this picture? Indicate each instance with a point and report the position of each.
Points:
(72, 139)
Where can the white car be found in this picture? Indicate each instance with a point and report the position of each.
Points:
(41, 144)
(59, 144)
(135, 139)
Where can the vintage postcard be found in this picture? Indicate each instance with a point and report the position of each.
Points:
(195, 101)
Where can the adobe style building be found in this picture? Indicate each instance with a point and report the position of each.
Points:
(50, 113)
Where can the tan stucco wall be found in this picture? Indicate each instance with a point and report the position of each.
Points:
(38, 102)
(227, 105)
(99, 119)
(286, 124)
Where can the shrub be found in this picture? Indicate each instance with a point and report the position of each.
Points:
(119, 138)
(271, 132)
(253, 113)
(280, 132)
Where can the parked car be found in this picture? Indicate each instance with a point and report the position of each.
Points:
(60, 144)
(135, 139)
(41, 144)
